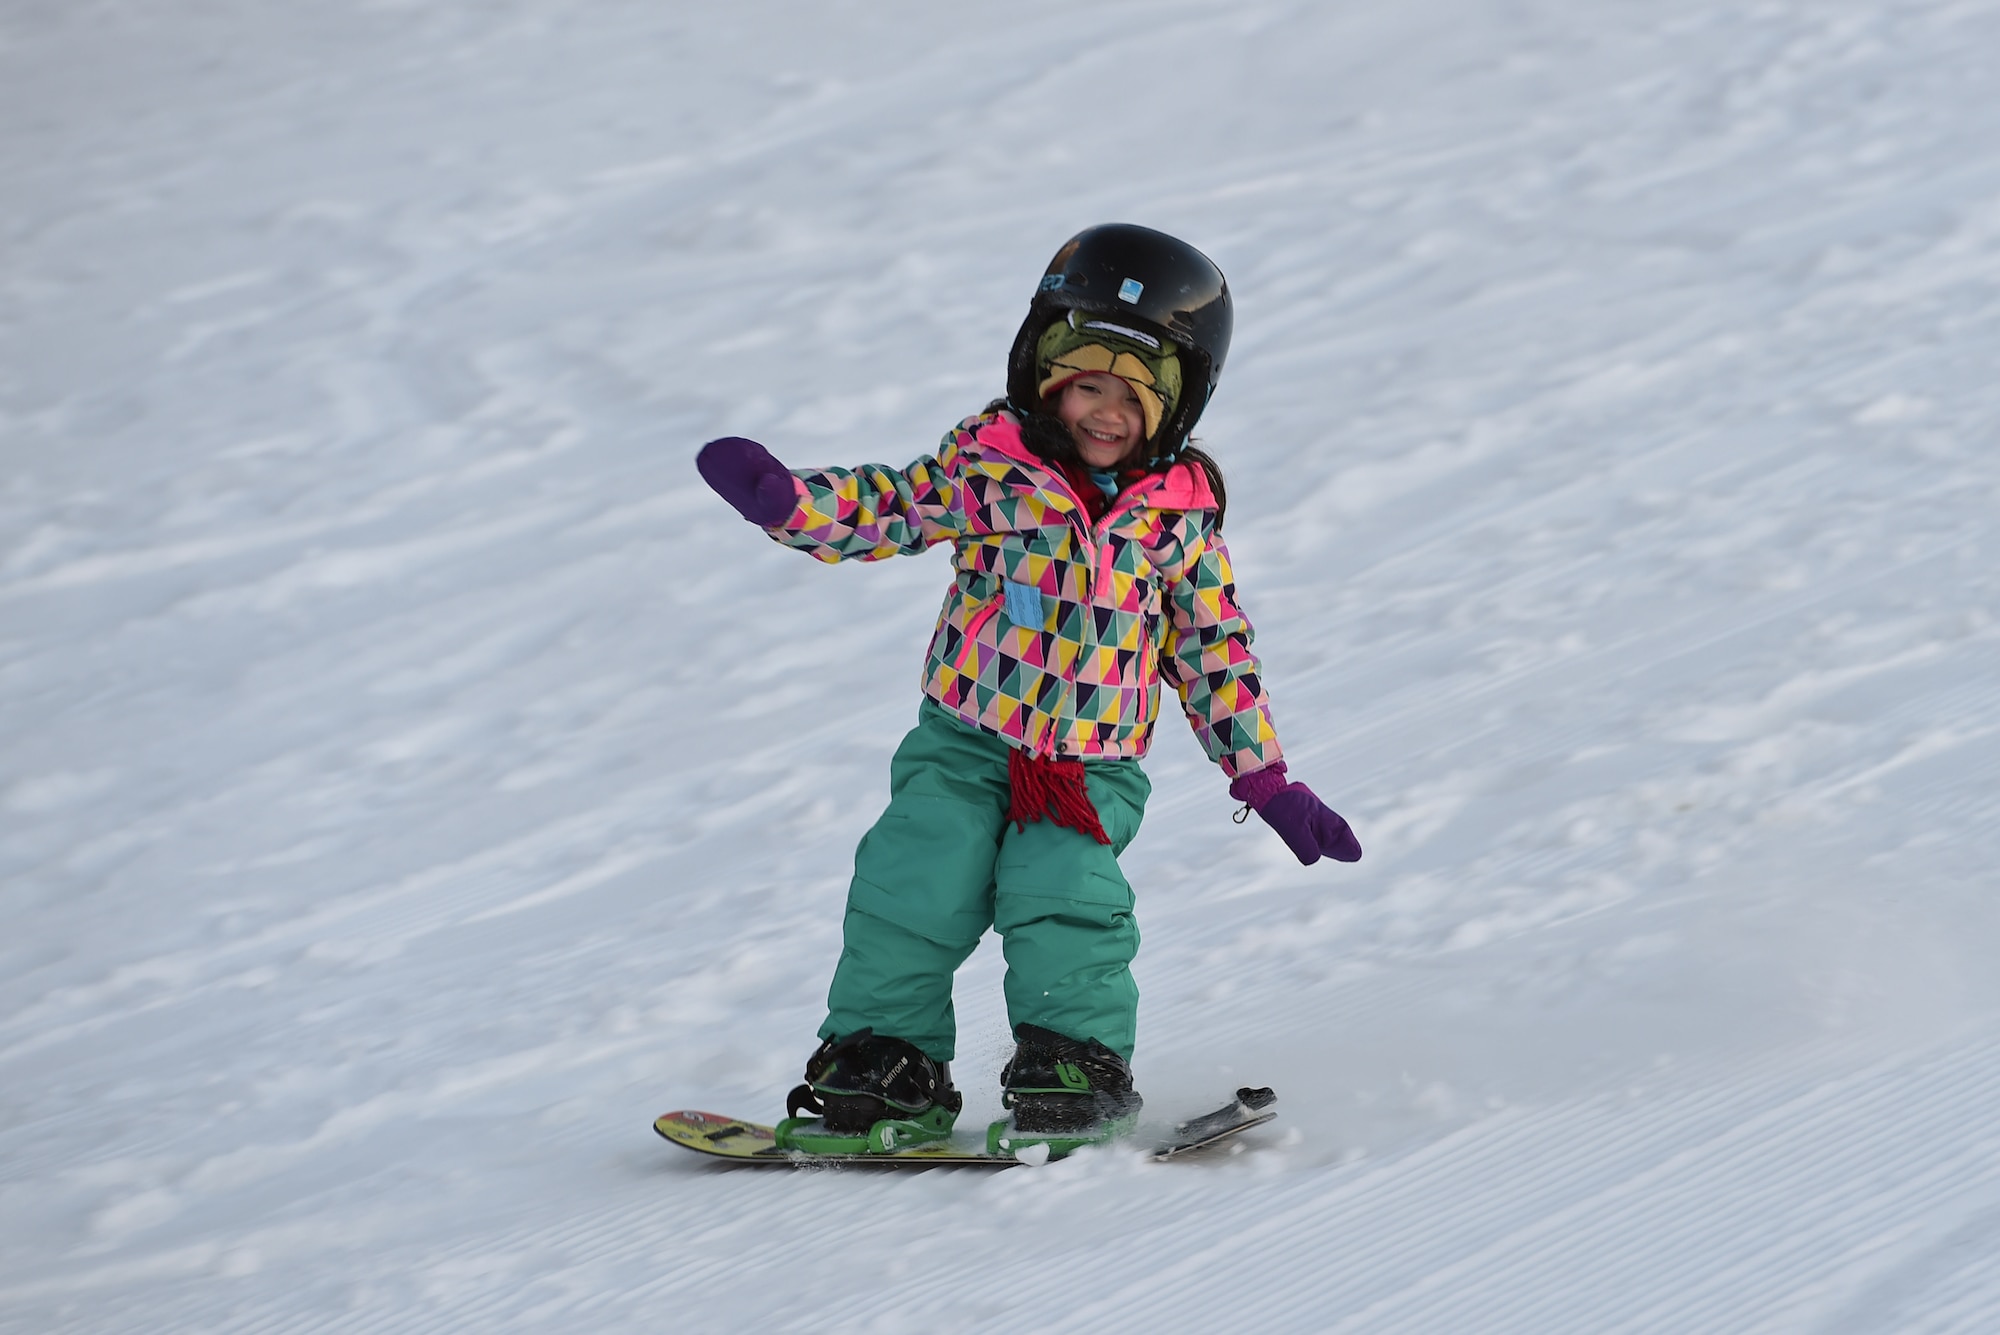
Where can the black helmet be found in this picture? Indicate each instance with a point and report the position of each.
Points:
(1145, 279)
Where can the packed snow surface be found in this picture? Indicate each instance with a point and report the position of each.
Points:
(413, 780)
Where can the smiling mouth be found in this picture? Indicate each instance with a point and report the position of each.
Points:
(1106, 437)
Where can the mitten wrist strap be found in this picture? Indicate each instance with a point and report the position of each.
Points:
(1259, 785)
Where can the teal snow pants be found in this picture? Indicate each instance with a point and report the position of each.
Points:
(943, 864)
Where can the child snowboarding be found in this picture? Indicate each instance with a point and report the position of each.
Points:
(1089, 568)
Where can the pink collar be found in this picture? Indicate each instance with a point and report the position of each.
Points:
(1181, 487)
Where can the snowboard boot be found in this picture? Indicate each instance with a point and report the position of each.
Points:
(872, 1093)
(1067, 1087)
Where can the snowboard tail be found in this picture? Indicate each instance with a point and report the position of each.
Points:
(739, 1141)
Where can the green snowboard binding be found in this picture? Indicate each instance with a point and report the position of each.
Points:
(873, 1095)
(1064, 1093)
(811, 1135)
(1005, 1140)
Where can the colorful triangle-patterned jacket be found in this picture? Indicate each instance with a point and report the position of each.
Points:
(1056, 632)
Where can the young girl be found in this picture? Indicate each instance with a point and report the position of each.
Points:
(1089, 567)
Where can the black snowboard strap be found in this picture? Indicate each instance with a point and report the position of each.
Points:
(802, 1100)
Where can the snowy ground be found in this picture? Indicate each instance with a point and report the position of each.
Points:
(413, 781)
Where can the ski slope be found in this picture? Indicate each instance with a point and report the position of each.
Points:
(413, 780)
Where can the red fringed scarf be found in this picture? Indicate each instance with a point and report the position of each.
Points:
(1050, 786)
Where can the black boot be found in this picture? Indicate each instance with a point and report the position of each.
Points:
(1063, 1084)
(857, 1081)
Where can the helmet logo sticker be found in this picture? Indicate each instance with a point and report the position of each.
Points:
(1130, 289)
(1051, 281)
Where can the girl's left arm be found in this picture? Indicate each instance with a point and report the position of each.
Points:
(1207, 655)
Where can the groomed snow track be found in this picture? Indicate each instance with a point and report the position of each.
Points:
(412, 781)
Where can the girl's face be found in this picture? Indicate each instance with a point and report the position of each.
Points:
(1104, 418)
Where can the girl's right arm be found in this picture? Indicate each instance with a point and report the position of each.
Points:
(871, 512)
(840, 514)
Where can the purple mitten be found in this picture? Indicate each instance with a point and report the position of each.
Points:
(743, 473)
(1309, 827)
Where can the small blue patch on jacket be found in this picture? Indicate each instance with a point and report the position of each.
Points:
(1024, 605)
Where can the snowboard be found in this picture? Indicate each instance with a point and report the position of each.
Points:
(738, 1141)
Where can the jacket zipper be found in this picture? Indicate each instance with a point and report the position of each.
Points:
(1079, 517)
(1096, 571)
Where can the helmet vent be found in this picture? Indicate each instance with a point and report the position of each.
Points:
(1122, 330)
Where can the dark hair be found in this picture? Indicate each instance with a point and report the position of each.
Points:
(1049, 438)
(1201, 459)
